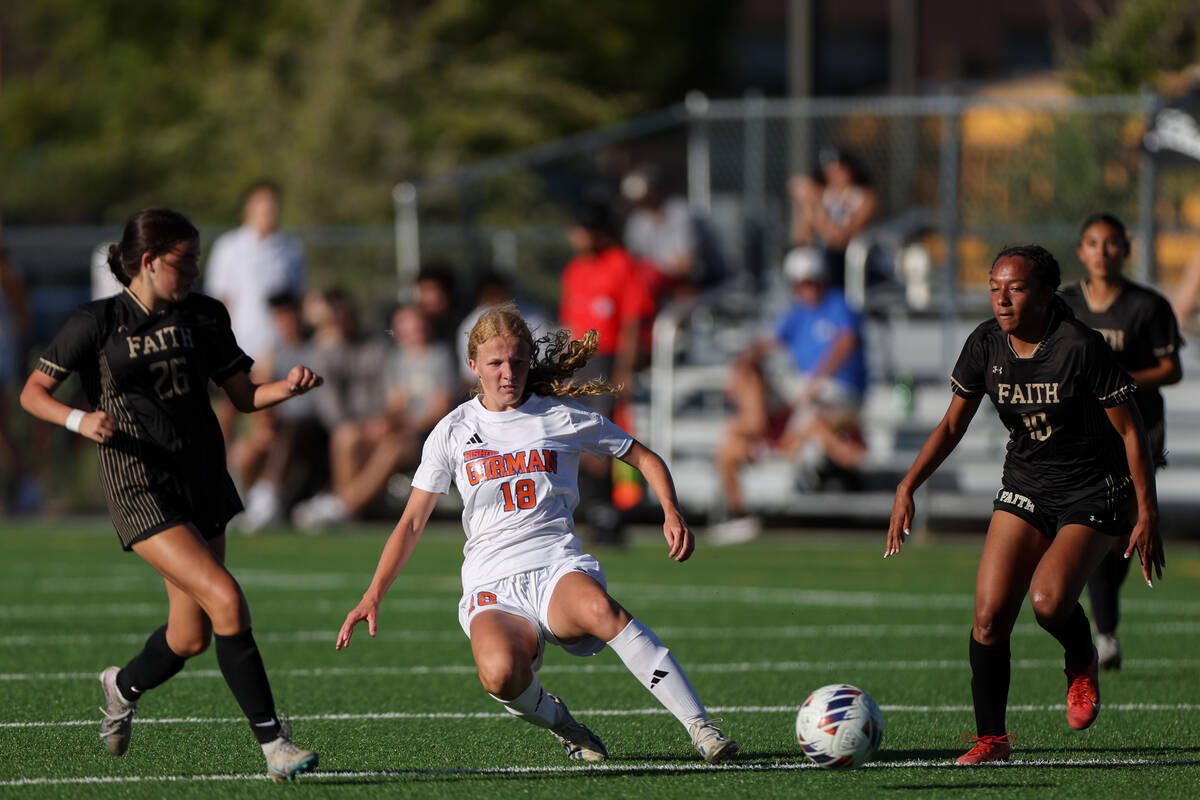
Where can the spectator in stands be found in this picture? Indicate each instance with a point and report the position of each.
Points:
(285, 457)
(250, 264)
(492, 289)
(674, 243)
(832, 210)
(820, 398)
(433, 293)
(16, 486)
(247, 265)
(366, 452)
(603, 289)
(1187, 294)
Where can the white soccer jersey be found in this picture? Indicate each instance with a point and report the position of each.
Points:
(517, 472)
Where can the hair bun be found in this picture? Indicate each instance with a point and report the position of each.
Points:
(114, 263)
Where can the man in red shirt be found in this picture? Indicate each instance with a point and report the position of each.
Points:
(603, 288)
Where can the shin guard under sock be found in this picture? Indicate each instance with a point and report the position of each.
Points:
(991, 671)
(242, 666)
(535, 706)
(154, 666)
(652, 663)
(1075, 636)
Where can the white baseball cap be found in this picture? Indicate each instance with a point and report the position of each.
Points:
(804, 264)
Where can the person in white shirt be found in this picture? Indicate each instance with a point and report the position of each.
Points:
(250, 264)
(513, 452)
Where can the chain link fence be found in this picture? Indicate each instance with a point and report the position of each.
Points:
(963, 175)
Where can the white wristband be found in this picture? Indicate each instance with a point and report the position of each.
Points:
(74, 419)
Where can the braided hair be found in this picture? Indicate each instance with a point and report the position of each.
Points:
(1046, 272)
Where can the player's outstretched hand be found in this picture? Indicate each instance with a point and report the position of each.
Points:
(97, 426)
(301, 379)
(903, 509)
(1147, 543)
(681, 540)
(365, 609)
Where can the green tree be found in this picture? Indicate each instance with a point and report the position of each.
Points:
(106, 106)
(1136, 43)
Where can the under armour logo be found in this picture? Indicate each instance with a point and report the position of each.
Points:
(659, 674)
(475, 439)
(997, 369)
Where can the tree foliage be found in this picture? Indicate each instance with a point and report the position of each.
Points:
(107, 106)
(1140, 40)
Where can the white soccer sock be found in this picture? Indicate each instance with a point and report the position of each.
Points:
(652, 663)
(535, 705)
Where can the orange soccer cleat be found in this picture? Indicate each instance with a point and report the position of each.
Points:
(987, 748)
(1083, 694)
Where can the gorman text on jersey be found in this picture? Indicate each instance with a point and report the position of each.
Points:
(508, 464)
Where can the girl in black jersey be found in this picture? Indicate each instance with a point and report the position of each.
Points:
(1077, 451)
(145, 357)
(1140, 327)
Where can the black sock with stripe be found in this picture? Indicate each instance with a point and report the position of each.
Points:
(154, 666)
(242, 666)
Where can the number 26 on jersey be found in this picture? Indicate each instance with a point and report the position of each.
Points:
(518, 494)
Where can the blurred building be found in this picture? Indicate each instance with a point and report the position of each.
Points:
(898, 46)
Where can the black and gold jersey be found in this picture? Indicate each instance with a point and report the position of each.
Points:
(1141, 329)
(1061, 446)
(149, 371)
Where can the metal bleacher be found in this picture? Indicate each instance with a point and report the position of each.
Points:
(683, 414)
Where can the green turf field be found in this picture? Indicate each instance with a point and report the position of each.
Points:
(757, 626)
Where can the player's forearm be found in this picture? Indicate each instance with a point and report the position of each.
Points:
(38, 401)
(657, 476)
(396, 552)
(1166, 373)
(1141, 470)
(937, 447)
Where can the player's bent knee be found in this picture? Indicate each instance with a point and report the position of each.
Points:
(500, 676)
(191, 646)
(1049, 608)
(226, 607)
(990, 627)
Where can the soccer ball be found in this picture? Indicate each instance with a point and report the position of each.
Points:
(839, 726)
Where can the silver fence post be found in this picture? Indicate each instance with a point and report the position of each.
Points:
(1145, 264)
(504, 252)
(408, 232)
(950, 169)
(754, 161)
(698, 157)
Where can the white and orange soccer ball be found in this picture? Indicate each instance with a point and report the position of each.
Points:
(839, 726)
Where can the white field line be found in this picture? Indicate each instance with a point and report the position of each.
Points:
(644, 595)
(616, 769)
(609, 712)
(667, 632)
(590, 669)
(42, 611)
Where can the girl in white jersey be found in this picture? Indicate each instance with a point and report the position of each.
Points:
(513, 452)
